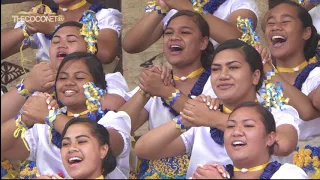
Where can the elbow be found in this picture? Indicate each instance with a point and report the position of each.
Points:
(309, 114)
(131, 47)
(106, 57)
(144, 152)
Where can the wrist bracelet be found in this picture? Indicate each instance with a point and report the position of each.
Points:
(179, 124)
(198, 6)
(146, 95)
(153, 6)
(21, 129)
(172, 99)
(270, 74)
(21, 90)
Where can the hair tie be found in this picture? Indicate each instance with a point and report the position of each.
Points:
(249, 35)
(93, 95)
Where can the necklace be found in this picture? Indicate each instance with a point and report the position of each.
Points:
(226, 110)
(70, 114)
(191, 75)
(256, 168)
(295, 69)
(73, 7)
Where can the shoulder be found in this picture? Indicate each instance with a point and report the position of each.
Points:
(104, 13)
(289, 171)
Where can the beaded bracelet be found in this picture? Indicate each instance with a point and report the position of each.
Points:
(153, 6)
(21, 130)
(198, 6)
(179, 124)
(146, 95)
(171, 100)
(269, 75)
(50, 119)
(21, 90)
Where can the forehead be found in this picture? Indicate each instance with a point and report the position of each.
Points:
(245, 113)
(182, 21)
(75, 66)
(227, 55)
(78, 129)
(69, 30)
(283, 9)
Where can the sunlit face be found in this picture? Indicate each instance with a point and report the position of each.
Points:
(284, 31)
(245, 137)
(183, 43)
(65, 41)
(231, 76)
(81, 153)
(69, 85)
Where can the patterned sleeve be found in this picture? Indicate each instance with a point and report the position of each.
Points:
(110, 18)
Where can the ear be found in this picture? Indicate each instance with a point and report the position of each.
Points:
(271, 139)
(307, 33)
(256, 77)
(104, 151)
(204, 43)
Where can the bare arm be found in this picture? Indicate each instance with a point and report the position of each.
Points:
(315, 96)
(112, 102)
(108, 43)
(287, 139)
(298, 100)
(12, 148)
(161, 142)
(135, 109)
(11, 42)
(144, 33)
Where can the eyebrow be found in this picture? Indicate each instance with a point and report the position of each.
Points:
(282, 16)
(77, 137)
(242, 120)
(63, 72)
(228, 63)
(69, 35)
(183, 27)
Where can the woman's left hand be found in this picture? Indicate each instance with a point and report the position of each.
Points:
(210, 171)
(196, 114)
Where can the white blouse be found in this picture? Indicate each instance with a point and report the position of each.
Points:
(48, 157)
(315, 14)
(310, 129)
(289, 171)
(204, 149)
(107, 18)
(116, 84)
(223, 12)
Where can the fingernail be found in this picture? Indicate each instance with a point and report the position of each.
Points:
(53, 108)
(220, 170)
(211, 107)
(37, 175)
(199, 165)
(190, 177)
(228, 176)
(192, 97)
(49, 107)
(47, 101)
(204, 100)
(208, 103)
(181, 113)
(224, 175)
(215, 108)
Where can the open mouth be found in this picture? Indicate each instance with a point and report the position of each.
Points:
(69, 92)
(278, 41)
(238, 143)
(74, 160)
(61, 55)
(175, 48)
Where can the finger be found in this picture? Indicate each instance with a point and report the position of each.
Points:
(204, 98)
(51, 77)
(186, 118)
(198, 98)
(142, 87)
(208, 99)
(187, 112)
(49, 85)
(163, 72)
(196, 175)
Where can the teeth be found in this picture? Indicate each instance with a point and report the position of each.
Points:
(278, 37)
(175, 46)
(75, 159)
(69, 91)
(238, 143)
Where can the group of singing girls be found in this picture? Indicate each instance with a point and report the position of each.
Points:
(225, 108)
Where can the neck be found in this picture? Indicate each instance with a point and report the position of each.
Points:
(292, 61)
(231, 104)
(76, 110)
(186, 70)
(69, 4)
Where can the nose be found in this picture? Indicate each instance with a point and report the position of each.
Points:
(224, 75)
(174, 37)
(277, 26)
(73, 149)
(62, 45)
(237, 132)
(70, 82)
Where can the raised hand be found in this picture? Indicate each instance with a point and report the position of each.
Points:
(41, 78)
(178, 4)
(212, 103)
(210, 171)
(165, 74)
